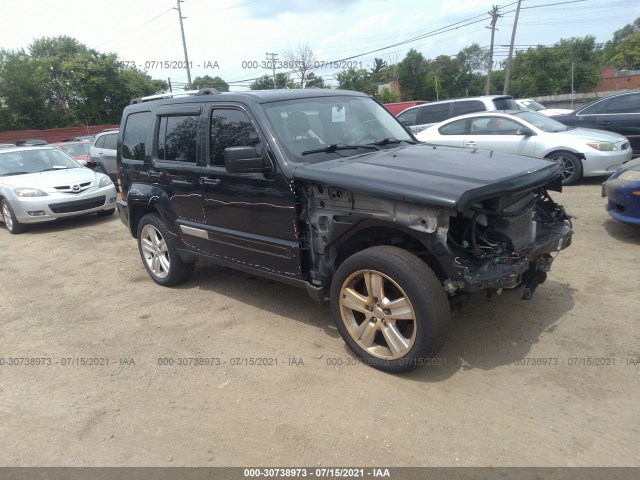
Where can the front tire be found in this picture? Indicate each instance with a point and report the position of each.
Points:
(390, 308)
(159, 253)
(571, 166)
(10, 220)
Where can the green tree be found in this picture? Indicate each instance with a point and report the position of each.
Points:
(314, 81)
(266, 82)
(610, 48)
(59, 82)
(358, 80)
(550, 70)
(412, 71)
(627, 53)
(387, 96)
(207, 81)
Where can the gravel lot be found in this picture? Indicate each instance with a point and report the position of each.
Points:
(552, 382)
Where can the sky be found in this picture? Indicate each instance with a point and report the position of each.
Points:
(231, 38)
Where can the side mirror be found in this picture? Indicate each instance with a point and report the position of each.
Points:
(244, 160)
(525, 132)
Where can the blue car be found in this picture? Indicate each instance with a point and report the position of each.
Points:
(622, 190)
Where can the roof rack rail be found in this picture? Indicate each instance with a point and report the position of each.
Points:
(185, 93)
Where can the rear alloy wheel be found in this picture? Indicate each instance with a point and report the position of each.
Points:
(10, 220)
(159, 254)
(571, 166)
(390, 308)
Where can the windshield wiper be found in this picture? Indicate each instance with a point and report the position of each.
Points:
(14, 173)
(334, 147)
(387, 141)
(57, 167)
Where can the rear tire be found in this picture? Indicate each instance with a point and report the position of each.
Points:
(571, 166)
(10, 220)
(159, 253)
(390, 308)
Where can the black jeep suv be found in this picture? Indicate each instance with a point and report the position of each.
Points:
(326, 190)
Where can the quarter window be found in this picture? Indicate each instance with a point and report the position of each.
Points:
(177, 137)
(434, 113)
(230, 128)
(467, 106)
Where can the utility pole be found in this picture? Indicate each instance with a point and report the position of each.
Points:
(184, 44)
(273, 58)
(507, 72)
(494, 19)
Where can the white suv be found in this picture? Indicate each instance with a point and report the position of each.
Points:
(422, 116)
(103, 152)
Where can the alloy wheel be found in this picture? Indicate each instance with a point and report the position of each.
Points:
(378, 314)
(155, 251)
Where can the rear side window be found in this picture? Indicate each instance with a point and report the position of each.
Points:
(624, 104)
(505, 104)
(134, 139)
(100, 142)
(111, 141)
(408, 117)
(434, 113)
(177, 137)
(230, 128)
(596, 107)
(467, 106)
(454, 128)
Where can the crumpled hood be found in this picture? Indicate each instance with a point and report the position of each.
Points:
(445, 176)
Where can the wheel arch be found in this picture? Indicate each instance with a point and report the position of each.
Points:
(580, 155)
(396, 236)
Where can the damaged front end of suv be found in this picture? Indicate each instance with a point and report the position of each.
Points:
(474, 234)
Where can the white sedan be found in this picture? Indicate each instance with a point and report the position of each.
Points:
(40, 184)
(583, 152)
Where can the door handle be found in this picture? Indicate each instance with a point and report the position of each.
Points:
(155, 173)
(470, 144)
(210, 181)
(605, 123)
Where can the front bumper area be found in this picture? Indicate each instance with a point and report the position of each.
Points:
(61, 205)
(491, 275)
(622, 203)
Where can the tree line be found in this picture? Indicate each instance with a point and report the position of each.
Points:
(59, 82)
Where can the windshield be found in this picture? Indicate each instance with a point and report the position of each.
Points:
(544, 123)
(33, 161)
(319, 129)
(77, 149)
(533, 105)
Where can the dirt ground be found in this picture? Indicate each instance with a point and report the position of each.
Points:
(551, 382)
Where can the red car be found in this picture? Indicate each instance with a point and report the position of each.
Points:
(78, 150)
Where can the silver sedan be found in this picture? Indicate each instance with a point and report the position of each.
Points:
(40, 184)
(583, 152)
